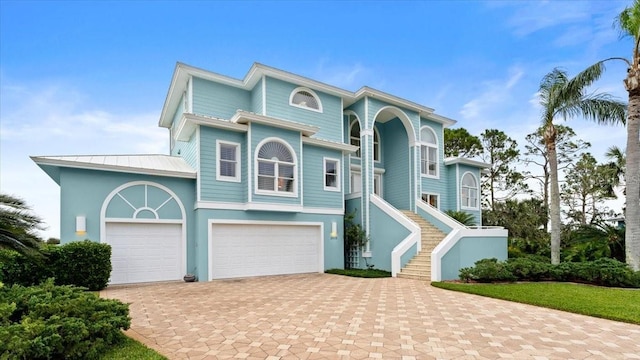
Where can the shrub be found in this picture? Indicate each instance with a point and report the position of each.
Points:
(529, 268)
(85, 263)
(49, 321)
(605, 271)
(487, 270)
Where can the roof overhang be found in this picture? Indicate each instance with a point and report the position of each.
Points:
(159, 165)
(345, 148)
(245, 117)
(465, 161)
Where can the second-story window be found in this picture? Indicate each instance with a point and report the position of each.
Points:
(228, 168)
(428, 152)
(276, 168)
(332, 174)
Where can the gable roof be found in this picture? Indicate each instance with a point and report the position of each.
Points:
(159, 165)
(183, 72)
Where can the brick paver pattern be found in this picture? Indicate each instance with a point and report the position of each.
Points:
(321, 316)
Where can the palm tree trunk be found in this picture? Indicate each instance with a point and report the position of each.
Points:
(632, 175)
(554, 208)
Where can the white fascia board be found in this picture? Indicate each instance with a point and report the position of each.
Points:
(114, 168)
(257, 70)
(243, 117)
(392, 99)
(189, 121)
(176, 88)
(465, 161)
(441, 119)
(345, 148)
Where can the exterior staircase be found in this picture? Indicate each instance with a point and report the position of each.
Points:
(420, 266)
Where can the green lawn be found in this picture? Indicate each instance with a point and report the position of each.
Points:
(131, 349)
(609, 303)
(364, 273)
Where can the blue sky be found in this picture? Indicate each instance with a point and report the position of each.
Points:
(91, 77)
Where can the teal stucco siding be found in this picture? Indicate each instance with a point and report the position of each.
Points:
(468, 250)
(386, 233)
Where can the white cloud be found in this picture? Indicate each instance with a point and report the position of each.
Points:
(495, 94)
(52, 119)
(351, 76)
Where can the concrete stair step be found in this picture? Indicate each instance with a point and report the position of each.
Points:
(414, 277)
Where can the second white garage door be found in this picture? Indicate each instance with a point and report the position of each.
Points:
(241, 250)
(142, 252)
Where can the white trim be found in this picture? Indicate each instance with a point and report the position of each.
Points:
(301, 172)
(249, 166)
(358, 168)
(414, 237)
(351, 196)
(183, 222)
(244, 117)
(404, 118)
(465, 161)
(364, 154)
(351, 124)
(457, 182)
(439, 215)
(189, 122)
(212, 222)
(198, 169)
(313, 94)
(190, 95)
(294, 192)
(375, 134)
(329, 144)
(219, 205)
(437, 195)
(477, 188)
(220, 177)
(338, 174)
(264, 95)
(452, 239)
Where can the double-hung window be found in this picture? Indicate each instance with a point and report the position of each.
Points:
(228, 168)
(469, 191)
(428, 152)
(331, 174)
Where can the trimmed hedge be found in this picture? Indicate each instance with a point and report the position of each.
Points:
(58, 322)
(83, 263)
(603, 272)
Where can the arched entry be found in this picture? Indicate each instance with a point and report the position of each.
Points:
(145, 224)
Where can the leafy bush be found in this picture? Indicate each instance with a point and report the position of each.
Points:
(49, 321)
(488, 270)
(85, 263)
(604, 271)
(462, 217)
(363, 273)
(529, 268)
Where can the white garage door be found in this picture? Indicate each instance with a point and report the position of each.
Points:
(240, 250)
(144, 252)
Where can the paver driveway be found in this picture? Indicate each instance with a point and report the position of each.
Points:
(321, 316)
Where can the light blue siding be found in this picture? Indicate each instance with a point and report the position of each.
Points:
(451, 199)
(292, 138)
(210, 188)
(218, 100)
(386, 233)
(82, 193)
(438, 185)
(188, 150)
(333, 248)
(314, 193)
(468, 250)
(329, 121)
(256, 98)
(397, 176)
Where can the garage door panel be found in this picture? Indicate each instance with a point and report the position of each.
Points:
(144, 252)
(241, 250)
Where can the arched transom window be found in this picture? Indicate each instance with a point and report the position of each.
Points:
(354, 138)
(469, 191)
(276, 168)
(305, 98)
(428, 152)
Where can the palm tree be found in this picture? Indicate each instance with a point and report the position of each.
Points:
(616, 166)
(562, 97)
(17, 225)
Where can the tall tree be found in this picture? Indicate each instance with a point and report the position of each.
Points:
(458, 142)
(587, 185)
(18, 226)
(502, 181)
(563, 97)
(617, 166)
(567, 148)
(628, 22)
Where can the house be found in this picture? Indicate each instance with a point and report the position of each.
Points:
(260, 174)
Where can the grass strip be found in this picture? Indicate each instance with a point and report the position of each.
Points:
(131, 349)
(608, 303)
(363, 273)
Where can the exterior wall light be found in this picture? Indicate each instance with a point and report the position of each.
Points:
(334, 230)
(81, 225)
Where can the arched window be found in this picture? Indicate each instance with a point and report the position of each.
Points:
(469, 191)
(354, 138)
(276, 168)
(305, 98)
(428, 152)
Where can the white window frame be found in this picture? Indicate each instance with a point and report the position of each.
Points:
(437, 196)
(430, 147)
(313, 93)
(337, 174)
(354, 175)
(276, 192)
(376, 145)
(357, 153)
(221, 177)
(463, 187)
